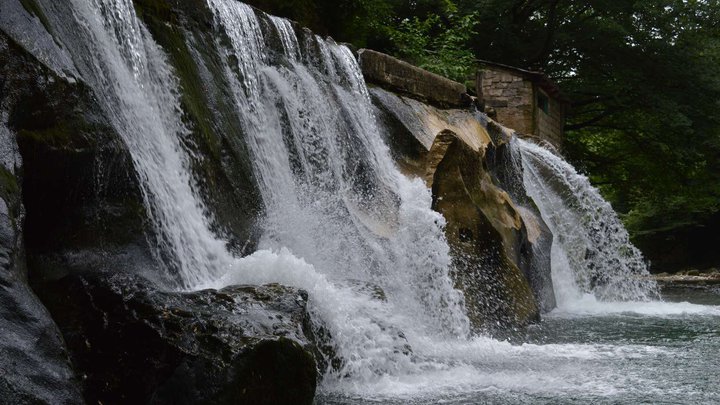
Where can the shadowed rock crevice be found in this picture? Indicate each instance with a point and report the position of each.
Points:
(35, 366)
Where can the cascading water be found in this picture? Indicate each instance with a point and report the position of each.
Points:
(592, 252)
(127, 70)
(333, 195)
(341, 219)
(343, 223)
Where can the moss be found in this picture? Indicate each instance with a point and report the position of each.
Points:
(55, 136)
(8, 184)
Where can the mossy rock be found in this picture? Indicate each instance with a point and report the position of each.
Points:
(221, 162)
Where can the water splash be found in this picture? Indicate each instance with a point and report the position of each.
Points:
(333, 195)
(592, 252)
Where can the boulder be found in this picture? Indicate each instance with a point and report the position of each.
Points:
(134, 343)
(394, 74)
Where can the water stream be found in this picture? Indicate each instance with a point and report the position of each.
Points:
(592, 256)
(342, 222)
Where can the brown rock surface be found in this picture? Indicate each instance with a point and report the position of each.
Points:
(485, 229)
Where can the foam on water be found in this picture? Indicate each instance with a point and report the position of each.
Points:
(480, 365)
(341, 219)
(589, 305)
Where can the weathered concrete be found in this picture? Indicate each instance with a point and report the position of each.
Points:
(394, 74)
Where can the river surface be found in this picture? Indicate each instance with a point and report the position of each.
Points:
(626, 353)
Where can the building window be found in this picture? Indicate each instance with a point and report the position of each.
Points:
(543, 102)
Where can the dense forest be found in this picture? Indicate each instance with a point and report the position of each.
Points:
(643, 78)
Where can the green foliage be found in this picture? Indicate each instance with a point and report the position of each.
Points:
(438, 43)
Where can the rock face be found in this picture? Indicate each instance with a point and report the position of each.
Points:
(221, 160)
(35, 367)
(496, 243)
(386, 71)
(71, 200)
(534, 261)
(486, 235)
(133, 343)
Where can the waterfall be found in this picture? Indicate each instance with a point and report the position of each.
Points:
(340, 217)
(341, 221)
(135, 86)
(592, 252)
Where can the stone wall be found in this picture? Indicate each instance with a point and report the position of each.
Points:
(514, 97)
(394, 74)
(549, 126)
(510, 96)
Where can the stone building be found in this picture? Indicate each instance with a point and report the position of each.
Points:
(524, 100)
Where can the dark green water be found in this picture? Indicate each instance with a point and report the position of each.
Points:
(630, 353)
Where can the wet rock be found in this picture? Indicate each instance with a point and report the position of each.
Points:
(534, 259)
(80, 191)
(386, 71)
(34, 366)
(492, 239)
(485, 232)
(219, 154)
(687, 278)
(133, 343)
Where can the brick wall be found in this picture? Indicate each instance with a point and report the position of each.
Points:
(512, 98)
(549, 126)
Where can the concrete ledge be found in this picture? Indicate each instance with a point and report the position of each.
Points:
(394, 74)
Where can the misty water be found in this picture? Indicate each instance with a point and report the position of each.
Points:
(340, 217)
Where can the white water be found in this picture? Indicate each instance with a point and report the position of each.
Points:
(592, 253)
(337, 211)
(136, 88)
(334, 199)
